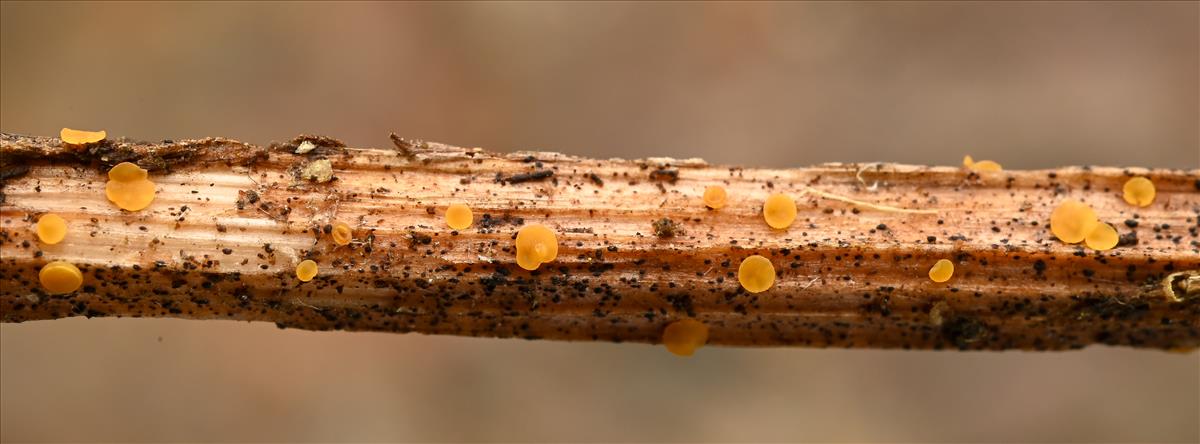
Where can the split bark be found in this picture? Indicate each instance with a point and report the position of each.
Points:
(231, 221)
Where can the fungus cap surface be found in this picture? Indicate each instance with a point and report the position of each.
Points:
(684, 336)
(941, 271)
(51, 228)
(715, 197)
(1103, 237)
(779, 211)
(60, 277)
(81, 137)
(1072, 221)
(756, 274)
(536, 245)
(128, 187)
(341, 233)
(459, 216)
(306, 270)
(1139, 191)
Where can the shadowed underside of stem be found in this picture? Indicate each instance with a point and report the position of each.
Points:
(232, 220)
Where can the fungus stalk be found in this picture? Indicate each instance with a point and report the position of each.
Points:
(231, 226)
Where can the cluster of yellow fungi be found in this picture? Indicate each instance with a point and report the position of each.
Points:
(1074, 221)
(129, 187)
(536, 245)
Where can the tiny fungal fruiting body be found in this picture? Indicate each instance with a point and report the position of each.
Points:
(459, 216)
(685, 336)
(983, 165)
(756, 274)
(51, 228)
(779, 211)
(1103, 237)
(60, 277)
(306, 270)
(341, 233)
(1072, 221)
(1139, 191)
(941, 271)
(536, 245)
(81, 137)
(714, 197)
(129, 187)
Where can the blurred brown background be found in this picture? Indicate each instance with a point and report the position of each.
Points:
(1030, 85)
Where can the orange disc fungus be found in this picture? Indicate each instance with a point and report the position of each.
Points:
(51, 228)
(983, 165)
(342, 233)
(60, 277)
(684, 336)
(1139, 191)
(714, 197)
(306, 270)
(756, 274)
(941, 271)
(458, 216)
(129, 187)
(1072, 221)
(1103, 237)
(779, 211)
(81, 137)
(536, 245)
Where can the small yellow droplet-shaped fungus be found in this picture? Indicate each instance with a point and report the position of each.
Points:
(756, 274)
(684, 336)
(1072, 221)
(1139, 191)
(714, 197)
(51, 228)
(60, 277)
(536, 245)
(306, 270)
(458, 216)
(983, 165)
(341, 233)
(1103, 237)
(941, 271)
(129, 187)
(779, 211)
(81, 137)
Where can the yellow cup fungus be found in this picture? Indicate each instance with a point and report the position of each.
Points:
(779, 211)
(536, 245)
(81, 137)
(684, 336)
(51, 228)
(941, 271)
(756, 274)
(306, 270)
(60, 277)
(1139, 191)
(983, 165)
(1103, 237)
(458, 216)
(1072, 221)
(128, 187)
(714, 197)
(342, 233)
